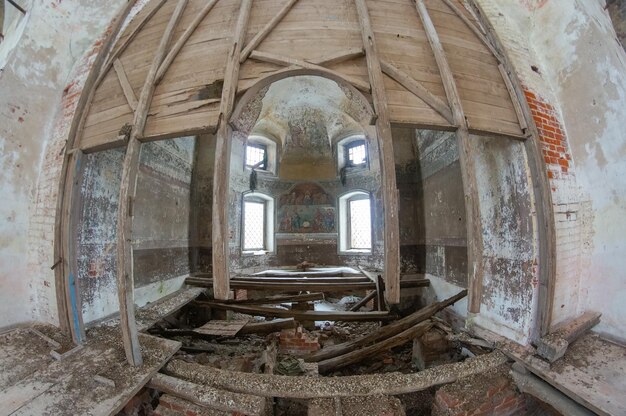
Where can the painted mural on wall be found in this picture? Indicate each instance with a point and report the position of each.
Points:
(306, 208)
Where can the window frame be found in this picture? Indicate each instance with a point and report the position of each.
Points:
(261, 146)
(350, 145)
(344, 231)
(268, 223)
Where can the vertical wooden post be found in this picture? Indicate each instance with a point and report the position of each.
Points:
(125, 278)
(467, 159)
(220, 237)
(70, 316)
(387, 163)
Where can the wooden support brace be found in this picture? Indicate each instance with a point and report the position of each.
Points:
(182, 40)
(467, 160)
(387, 163)
(128, 184)
(126, 87)
(220, 235)
(258, 38)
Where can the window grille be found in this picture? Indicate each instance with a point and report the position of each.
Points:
(256, 156)
(360, 224)
(254, 226)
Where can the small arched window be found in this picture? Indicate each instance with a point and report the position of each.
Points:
(260, 154)
(352, 153)
(355, 222)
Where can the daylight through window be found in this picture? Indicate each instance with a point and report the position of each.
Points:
(256, 156)
(254, 226)
(360, 224)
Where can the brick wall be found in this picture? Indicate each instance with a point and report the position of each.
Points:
(297, 342)
(487, 394)
(571, 212)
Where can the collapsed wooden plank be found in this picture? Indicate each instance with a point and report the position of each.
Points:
(221, 328)
(300, 279)
(553, 346)
(267, 327)
(296, 287)
(209, 397)
(300, 315)
(384, 332)
(363, 301)
(358, 355)
(270, 385)
(305, 297)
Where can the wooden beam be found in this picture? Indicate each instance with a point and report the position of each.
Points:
(286, 279)
(128, 184)
(208, 397)
(131, 36)
(126, 87)
(183, 40)
(271, 385)
(553, 346)
(220, 235)
(338, 57)
(467, 160)
(297, 287)
(360, 354)
(418, 89)
(477, 30)
(386, 331)
(387, 163)
(288, 61)
(364, 301)
(300, 315)
(305, 297)
(516, 104)
(258, 38)
(69, 312)
(267, 327)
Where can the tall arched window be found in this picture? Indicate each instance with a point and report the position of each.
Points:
(257, 231)
(355, 222)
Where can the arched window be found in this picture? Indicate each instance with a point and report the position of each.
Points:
(355, 222)
(257, 231)
(352, 153)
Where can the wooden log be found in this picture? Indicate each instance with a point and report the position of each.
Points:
(300, 315)
(219, 236)
(276, 299)
(287, 61)
(258, 38)
(467, 160)
(208, 397)
(307, 274)
(418, 89)
(260, 279)
(391, 231)
(384, 332)
(360, 354)
(128, 184)
(363, 301)
(267, 327)
(553, 346)
(182, 40)
(297, 286)
(271, 385)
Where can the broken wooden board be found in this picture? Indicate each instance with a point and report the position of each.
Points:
(221, 328)
(151, 314)
(553, 346)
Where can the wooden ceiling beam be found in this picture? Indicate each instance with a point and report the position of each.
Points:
(391, 210)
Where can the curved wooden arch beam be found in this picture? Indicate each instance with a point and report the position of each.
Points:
(70, 316)
(387, 162)
(258, 38)
(183, 40)
(220, 237)
(125, 278)
(467, 158)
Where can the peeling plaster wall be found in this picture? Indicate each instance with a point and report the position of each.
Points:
(40, 80)
(582, 74)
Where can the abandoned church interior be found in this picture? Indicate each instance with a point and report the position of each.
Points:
(312, 207)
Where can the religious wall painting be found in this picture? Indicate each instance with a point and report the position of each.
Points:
(306, 208)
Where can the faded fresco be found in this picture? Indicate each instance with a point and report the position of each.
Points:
(306, 208)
